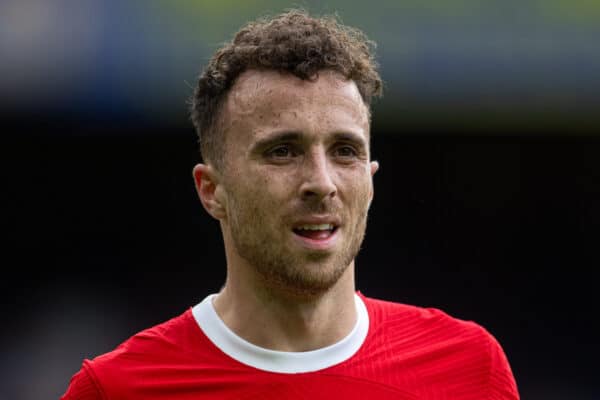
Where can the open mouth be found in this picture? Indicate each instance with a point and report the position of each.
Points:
(316, 231)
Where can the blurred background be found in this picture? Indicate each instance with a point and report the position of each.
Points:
(487, 201)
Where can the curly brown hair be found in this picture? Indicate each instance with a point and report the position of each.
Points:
(292, 42)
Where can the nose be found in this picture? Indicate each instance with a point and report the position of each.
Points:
(317, 174)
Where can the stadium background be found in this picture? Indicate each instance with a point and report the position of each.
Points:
(487, 201)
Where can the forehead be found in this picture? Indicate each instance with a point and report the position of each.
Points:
(253, 83)
(267, 96)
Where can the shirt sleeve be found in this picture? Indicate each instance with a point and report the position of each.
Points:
(82, 387)
(502, 381)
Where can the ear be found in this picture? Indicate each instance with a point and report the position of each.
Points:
(209, 190)
(374, 165)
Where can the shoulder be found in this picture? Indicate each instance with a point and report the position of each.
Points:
(164, 337)
(439, 348)
(429, 331)
(133, 362)
(393, 315)
(161, 341)
(429, 338)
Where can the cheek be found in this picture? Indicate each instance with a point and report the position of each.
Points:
(275, 183)
(362, 192)
(357, 181)
(256, 196)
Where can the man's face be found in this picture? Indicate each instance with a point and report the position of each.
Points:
(297, 178)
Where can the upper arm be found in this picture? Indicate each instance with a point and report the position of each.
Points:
(82, 387)
(502, 381)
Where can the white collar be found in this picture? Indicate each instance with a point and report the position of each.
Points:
(280, 361)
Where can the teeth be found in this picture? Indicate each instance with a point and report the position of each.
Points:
(317, 227)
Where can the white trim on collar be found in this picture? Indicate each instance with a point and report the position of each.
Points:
(280, 361)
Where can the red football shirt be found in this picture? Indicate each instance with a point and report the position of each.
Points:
(395, 351)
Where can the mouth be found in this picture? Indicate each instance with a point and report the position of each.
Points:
(316, 231)
(320, 237)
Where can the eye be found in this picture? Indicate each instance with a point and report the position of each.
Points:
(282, 151)
(345, 151)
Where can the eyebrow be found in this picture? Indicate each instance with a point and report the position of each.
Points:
(349, 137)
(298, 137)
(277, 138)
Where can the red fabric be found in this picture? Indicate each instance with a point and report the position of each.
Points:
(409, 353)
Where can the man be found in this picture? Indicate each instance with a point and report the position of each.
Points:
(283, 117)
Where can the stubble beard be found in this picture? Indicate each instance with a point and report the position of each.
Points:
(305, 273)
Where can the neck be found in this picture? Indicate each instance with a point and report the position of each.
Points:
(277, 319)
